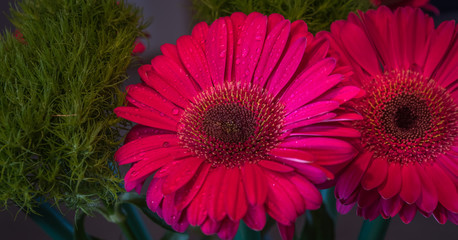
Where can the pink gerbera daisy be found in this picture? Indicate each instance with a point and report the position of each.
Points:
(409, 158)
(393, 4)
(237, 120)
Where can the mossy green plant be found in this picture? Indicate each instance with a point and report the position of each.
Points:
(58, 88)
(318, 14)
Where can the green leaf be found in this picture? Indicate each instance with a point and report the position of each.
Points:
(374, 230)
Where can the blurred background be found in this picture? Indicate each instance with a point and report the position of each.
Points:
(169, 20)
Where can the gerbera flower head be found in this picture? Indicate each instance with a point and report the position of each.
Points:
(239, 119)
(393, 4)
(409, 159)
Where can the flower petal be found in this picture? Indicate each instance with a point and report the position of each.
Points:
(376, 174)
(216, 50)
(145, 117)
(181, 174)
(250, 46)
(255, 186)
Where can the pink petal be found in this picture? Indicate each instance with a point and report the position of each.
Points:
(145, 168)
(216, 50)
(310, 84)
(304, 123)
(308, 191)
(286, 231)
(193, 58)
(145, 117)
(376, 174)
(393, 183)
(411, 184)
(276, 196)
(428, 199)
(445, 187)
(292, 154)
(287, 67)
(407, 213)
(230, 49)
(152, 99)
(273, 20)
(210, 227)
(255, 217)
(440, 214)
(216, 199)
(275, 166)
(310, 110)
(351, 177)
(228, 229)
(175, 76)
(254, 181)
(391, 206)
(326, 130)
(312, 172)
(185, 194)
(139, 131)
(271, 52)
(249, 46)
(341, 94)
(171, 52)
(197, 211)
(200, 33)
(328, 151)
(181, 174)
(291, 191)
(367, 198)
(152, 79)
(132, 151)
(342, 208)
(236, 203)
(154, 195)
(354, 38)
(439, 44)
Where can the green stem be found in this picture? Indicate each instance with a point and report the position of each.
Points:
(374, 230)
(134, 222)
(52, 222)
(126, 230)
(246, 233)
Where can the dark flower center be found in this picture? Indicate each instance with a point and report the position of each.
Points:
(407, 118)
(232, 124)
(229, 123)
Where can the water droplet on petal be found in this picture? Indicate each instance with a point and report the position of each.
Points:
(175, 111)
(134, 173)
(166, 144)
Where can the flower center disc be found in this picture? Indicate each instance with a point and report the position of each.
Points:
(231, 124)
(407, 118)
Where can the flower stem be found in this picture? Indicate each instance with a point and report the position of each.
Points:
(374, 230)
(52, 222)
(126, 230)
(134, 222)
(246, 233)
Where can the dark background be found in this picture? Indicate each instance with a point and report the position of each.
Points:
(170, 20)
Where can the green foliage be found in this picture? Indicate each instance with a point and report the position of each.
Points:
(58, 89)
(318, 14)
